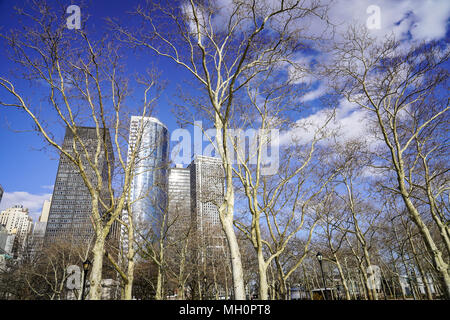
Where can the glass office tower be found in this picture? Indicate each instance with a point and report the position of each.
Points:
(149, 186)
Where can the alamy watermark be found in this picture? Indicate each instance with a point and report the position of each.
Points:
(374, 20)
(374, 277)
(245, 146)
(74, 278)
(74, 20)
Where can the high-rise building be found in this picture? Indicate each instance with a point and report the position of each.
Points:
(17, 221)
(207, 194)
(69, 218)
(207, 180)
(45, 210)
(6, 247)
(37, 237)
(17, 218)
(179, 194)
(6, 241)
(149, 185)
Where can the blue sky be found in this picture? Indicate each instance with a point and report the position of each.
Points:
(27, 173)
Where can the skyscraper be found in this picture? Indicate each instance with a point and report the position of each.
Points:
(207, 194)
(6, 241)
(17, 218)
(69, 218)
(179, 192)
(149, 185)
(45, 210)
(39, 227)
(17, 221)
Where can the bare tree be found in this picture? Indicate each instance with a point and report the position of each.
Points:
(331, 223)
(223, 55)
(84, 85)
(394, 83)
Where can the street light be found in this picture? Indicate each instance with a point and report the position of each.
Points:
(320, 257)
(86, 266)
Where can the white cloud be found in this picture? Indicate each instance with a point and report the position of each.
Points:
(31, 201)
(433, 19)
(49, 187)
(314, 94)
(415, 20)
(424, 19)
(349, 122)
(420, 19)
(200, 30)
(303, 74)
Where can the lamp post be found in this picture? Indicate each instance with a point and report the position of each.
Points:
(86, 266)
(320, 257)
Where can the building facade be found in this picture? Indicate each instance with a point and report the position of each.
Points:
(149, 185)
(17, 221)
(6, 241)
(207, 194)
(69, 217)
(39, 227)
(45, 210)
(179, 193)
(6, 248)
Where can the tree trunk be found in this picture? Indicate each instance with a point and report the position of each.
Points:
(226, 282)
(95, 280)
(235, 256)
(439, 264)
(306, 280)
(386, 284)
(181, 281)
(262, 270)
(159, 288)
(443, 228)
(226, 210)
(128, 290)
(283, 286)
(216, 286)
(421, 271)
(363, 282)
(372, 292)
(344, 281)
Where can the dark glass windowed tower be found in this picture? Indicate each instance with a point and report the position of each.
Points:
(71, 207)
